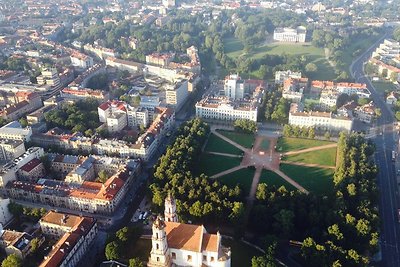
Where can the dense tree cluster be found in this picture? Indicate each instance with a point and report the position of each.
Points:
(274, 107)
(198, 197)
(351, 235)
(79, 117)
(117, 244)
(246, 126)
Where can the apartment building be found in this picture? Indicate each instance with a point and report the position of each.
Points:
(74, 235)
(321, 120)
(71, 94)
(177, 94)
(127, 65)
(32, 170)
(293, 89)
(14, 131)
(281, 76)
(100, 51)
(26, 103)
(13, 242)
(160, 59)
(11, 149)
(220, 108)
(234, 87)
(297, 35)
(50, 77)
(81, 60)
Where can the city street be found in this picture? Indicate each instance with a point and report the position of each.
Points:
(387, 181)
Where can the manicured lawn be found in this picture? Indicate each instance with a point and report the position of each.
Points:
(286, 144)
(241, 252)
(234, 49)
(272, 179)
(321, 157)
(216, 144)
(242, 139)
(317, 180)
(383, 86)
(264, 144)
(212, 164)
(243, 177)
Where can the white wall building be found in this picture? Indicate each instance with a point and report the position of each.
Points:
(291, 35)
(234, 87)
(224, 109)
(177, 94)
(81, 60)
(321, 120)
(11, 149)
(5, 214)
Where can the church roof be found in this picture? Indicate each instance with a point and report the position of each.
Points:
(210, 243)
(190, 237)
(184, 236)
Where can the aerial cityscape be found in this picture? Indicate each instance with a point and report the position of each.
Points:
(218, 133)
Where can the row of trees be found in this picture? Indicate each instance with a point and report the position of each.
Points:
(297, 131)
(351, 236)
(245, 126)
(198, 198)
(81, 117)
(274, 107)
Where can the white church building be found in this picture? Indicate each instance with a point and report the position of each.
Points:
(179, 244)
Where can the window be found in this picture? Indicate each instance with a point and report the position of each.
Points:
(157, 246)
(158, 258)
(204, 258)
(212, 258)
(173, 255)
(189, 258)
(157, 235)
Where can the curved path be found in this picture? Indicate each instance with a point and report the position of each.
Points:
(308, 164)
(309, 149)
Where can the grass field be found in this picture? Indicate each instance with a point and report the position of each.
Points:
(216, 144)
(317, 180)
(264, 144)
(322, 157)
(241, 252)
(273, 179)
(243, 177)
(383, 86)
(242, 139)
(213, 164)
(286, 144)
(234, 49)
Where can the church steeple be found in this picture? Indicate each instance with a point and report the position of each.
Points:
(170, 209)
(159, 255)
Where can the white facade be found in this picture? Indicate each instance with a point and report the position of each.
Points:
(11, 149)
(116, 122)
(177, 95)
(220, 109)
(321, 120)
(168, 3)
(14, 131)
(81, 61)
(234, 87)
(297, 35)
(354, 89)
(5, 214)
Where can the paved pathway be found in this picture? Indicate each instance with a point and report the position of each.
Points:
(228, 171)
(309, 149)
(229, 140)
(291, 181)
(224, 154)
(308, 164)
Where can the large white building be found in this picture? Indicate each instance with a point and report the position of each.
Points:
(291, 35)
(5, 214)
(179, 244)
(81, 60)
(234, 87)
(225, 109)
(177, 94)
(321, 120)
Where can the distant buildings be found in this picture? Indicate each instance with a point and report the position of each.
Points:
(281, 76)
(71, 94)
(234, 87)
(291, 35)
(387, 59)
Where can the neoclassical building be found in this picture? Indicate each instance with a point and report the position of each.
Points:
(179, 244)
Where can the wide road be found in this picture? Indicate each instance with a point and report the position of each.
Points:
(387, 181)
